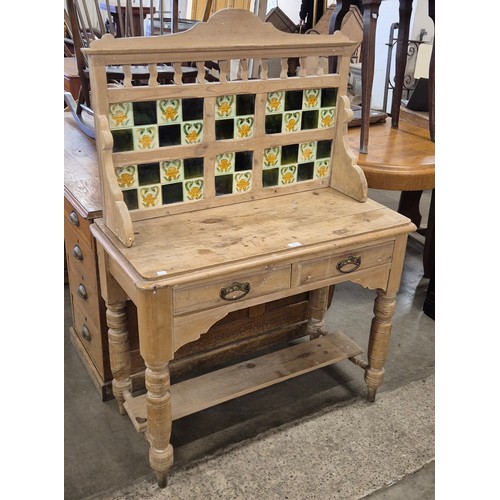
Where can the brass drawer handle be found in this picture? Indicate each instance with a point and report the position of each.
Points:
(234, 291)
(82, 292)
(77, 253)
(73, 218)
(86, 333)
(350, 261)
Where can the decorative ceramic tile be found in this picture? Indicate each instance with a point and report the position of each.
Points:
(193, 190)
(322, 168)
(293, 163)
(234, 116)
(275, 102)
(145, 137)
(295, 110)
(272, 157)
(288, 174)
(172, 171)
(126, 176)
(242, 182)
(153, 184)
(169, 111)
(150, 196)
(192, 132)
(307, 151)
(233, 172)
(224, 163)
(327, 117)
(120, 115)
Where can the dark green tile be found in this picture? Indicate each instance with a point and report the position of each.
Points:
(169, 135)
(289, 154)
(122, 140)
(323, 149)
(192, 109)
(224, 129)
(273, 123)
(171, 193)
(245, 104)
(149, 173)
(243, 161)
(130, 199)
(309, 119)
(328, 97)
(293, 100)
(270, 177)
(193, 167)
(144, 113)
(223, 184)
(306, 171)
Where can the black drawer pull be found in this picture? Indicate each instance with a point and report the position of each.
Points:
(82, 292)
(350, 261)
(73, 218)
(77, 252)
(234, 291)
(86, 333)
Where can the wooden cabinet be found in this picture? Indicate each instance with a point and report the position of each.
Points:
(233, 337)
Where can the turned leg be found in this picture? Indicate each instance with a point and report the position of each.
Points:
(318, 305)
(119, 351)
(380, 333)
(161, 455)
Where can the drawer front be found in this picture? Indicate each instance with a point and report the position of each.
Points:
(89, 335)
(343, 263)
(75, 223)
(235, 288)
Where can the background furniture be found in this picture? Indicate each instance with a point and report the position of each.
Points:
(210, 205)
(370, 10)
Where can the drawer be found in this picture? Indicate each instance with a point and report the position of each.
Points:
(90, 335)
(242, 286)
(80, 257)
(76, 224)
(346, 263)
(84, 291)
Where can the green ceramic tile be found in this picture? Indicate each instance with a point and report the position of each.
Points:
(305, 171)
(324, 149)
(193, 167)
(293, 100)
(145, 113)
(243, 161)
(130, 198)
(224, 129)
(149, 173)
(169, 135)
(328, 97)
(192, 109)
(274, 123)
(172, 193)
(123, 140)
(245, 104)
(289, 154)
(270, 177)
(223, 184)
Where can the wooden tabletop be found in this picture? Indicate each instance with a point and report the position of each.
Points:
(81, 173)
(398, 159)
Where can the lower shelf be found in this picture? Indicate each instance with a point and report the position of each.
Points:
(222, 385)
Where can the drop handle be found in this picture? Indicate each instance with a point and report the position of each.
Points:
(82, 292)
(234, 291)
(77, 253)
(349, 265)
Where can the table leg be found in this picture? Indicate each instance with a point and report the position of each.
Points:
(370, 17)
(405, 8)
(161, 454)
(318, 305)
(119, 350)
(380, 334)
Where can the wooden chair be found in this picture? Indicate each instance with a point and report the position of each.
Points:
(85, 22)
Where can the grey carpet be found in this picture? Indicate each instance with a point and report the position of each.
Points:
(345, 452)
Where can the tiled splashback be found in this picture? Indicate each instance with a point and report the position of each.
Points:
(139, 126)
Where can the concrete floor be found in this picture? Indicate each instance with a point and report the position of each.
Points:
(103, 452)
